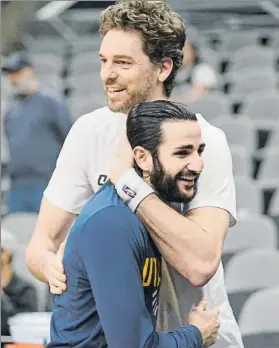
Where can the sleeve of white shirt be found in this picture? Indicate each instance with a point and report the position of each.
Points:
(204, 75)
(216, 186)
(69, 187)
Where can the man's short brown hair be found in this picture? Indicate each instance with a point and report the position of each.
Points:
(162, 30)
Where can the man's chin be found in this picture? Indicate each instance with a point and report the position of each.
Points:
(188, 194)
(185, 189)
(118, 107)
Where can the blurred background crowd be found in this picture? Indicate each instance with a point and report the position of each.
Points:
(230, 74)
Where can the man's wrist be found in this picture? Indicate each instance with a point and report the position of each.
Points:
(132, 189)
(198, 335)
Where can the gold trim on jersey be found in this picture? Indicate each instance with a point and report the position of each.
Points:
(150, 272)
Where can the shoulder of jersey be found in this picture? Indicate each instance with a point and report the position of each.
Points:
(98, 119)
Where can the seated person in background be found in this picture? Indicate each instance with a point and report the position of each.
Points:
(36, 123)
(17, 296)
(195, 72)
(113, 267)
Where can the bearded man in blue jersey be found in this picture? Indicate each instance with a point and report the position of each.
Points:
(112, 265)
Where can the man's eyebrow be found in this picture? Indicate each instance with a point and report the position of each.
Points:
(122, 56)
(184, 147)
(189, 147)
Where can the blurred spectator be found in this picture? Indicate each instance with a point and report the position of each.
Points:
(196, 73)
(36, 124)
(16, 295)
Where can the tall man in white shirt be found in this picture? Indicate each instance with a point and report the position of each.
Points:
(140, 54)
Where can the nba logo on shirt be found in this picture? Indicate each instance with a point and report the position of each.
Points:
(129, 192)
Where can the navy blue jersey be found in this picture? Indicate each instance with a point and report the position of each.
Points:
(113, 279)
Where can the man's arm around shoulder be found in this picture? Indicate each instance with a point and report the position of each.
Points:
(193, 243)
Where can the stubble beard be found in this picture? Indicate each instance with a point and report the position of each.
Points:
(134, 98)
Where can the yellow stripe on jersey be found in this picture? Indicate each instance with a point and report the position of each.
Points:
(148, 275)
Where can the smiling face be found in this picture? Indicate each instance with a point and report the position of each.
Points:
(178, 164)
(126, 71)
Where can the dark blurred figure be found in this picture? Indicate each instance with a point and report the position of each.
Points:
(16, 295)
(196, 73)
(36, 124)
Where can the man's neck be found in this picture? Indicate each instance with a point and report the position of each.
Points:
(154, 97)
(157, 96)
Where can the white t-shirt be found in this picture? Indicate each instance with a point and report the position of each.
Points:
(83, 166)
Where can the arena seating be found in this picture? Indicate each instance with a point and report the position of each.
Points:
(248, 271)
(259, 319)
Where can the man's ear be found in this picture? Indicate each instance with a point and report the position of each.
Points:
(166, 67)
(143, 159)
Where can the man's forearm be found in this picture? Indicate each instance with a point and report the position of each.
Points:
(185, 245)
(36, 255)
(50, 231)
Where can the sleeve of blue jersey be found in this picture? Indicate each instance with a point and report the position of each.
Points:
(111, 246)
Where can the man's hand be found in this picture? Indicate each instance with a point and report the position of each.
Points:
(54, 271)
(123, 158)
(207, 321)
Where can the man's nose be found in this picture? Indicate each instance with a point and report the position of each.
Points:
(108, 73)
(196, 164)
